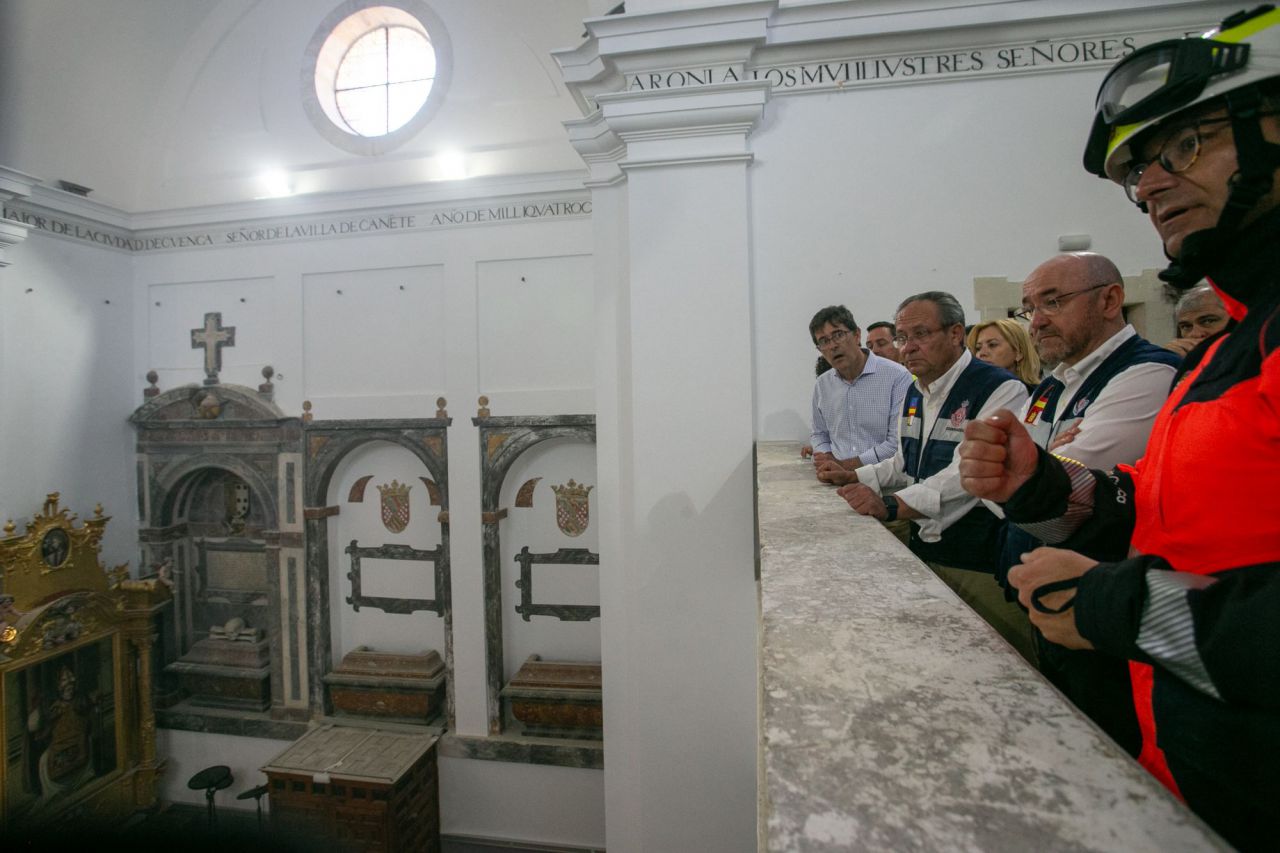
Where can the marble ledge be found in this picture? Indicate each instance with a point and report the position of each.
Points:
(894, 718)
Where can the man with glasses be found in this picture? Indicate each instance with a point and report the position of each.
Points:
(855, 403)
(1189, 594)
(1097, 407)
(950, 530)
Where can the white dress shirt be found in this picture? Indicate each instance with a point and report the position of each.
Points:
(1117, 423)
(939, 498)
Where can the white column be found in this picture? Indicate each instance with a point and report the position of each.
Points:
(674, 461)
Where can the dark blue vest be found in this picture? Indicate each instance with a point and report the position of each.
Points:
(970, 542)
(1136, 350)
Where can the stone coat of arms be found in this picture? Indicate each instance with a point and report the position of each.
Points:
(395, 506)
(572, 511)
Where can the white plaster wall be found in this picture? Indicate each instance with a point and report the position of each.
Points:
(864, 197)
(380, 319)
(67, 338)
(379, 352)
(522, 802)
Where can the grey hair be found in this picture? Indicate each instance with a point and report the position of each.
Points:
(949, 311)
(1199, 295)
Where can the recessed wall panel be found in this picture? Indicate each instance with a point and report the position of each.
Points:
(368, 333)
(535, 329)
(249, 305)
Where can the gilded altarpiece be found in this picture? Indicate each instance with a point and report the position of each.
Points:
(76, 641)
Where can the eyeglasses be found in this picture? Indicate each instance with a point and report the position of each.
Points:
(1177, 154)
(919, 336)
(1053, 304)
(834, 338)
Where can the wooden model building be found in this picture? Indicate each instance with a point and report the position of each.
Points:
(75, 676)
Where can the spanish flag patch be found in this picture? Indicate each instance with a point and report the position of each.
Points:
(1036, 408)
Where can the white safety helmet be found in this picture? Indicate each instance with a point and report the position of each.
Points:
(1164, 78)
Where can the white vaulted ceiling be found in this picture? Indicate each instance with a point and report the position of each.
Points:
(167, 104)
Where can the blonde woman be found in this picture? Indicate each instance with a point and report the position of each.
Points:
(1005, 343)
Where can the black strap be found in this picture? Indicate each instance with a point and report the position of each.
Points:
(1049, 589)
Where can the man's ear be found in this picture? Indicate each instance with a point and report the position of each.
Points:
(1113, 304)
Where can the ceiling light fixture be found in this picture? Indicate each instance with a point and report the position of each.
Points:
(452, 165)
(276, 184)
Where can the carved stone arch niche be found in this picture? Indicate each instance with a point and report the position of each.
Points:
(504, 441)
(406, 686)
(215, 511)
(219, 485)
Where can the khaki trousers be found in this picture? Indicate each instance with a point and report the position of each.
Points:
(901, 529)
(980, 591)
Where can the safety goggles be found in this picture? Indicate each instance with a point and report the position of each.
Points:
(1155, 81)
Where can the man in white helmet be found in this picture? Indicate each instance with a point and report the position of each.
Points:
(1189, 588)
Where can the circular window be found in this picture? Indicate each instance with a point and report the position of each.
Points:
(375, 74)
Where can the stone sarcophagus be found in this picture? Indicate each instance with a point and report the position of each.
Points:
(388, 685)
(230, 668)
(556, 699)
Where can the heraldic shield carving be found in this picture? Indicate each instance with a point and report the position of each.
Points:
(572, 512)
(395, 506)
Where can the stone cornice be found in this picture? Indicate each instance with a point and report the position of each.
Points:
(265, 224)
(15, 184)
(672, 113)
(685, 127)
(735, 38)
(11, 234)
(599, 146)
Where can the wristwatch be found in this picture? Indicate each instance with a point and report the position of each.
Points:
(891, 506)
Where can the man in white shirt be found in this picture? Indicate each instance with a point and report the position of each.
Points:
(951, 531)
(1074, 303)
(1097, 407)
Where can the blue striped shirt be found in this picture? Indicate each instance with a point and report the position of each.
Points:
(860, 418)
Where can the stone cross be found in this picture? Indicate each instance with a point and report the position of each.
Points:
(213, 338)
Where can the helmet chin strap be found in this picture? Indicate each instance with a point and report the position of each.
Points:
(1258, 161)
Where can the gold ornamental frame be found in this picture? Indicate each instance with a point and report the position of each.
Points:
(78, 721)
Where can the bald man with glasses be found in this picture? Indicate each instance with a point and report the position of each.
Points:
(1097, 407)
(1107, 383)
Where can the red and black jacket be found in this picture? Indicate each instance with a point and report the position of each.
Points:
(1195, 606)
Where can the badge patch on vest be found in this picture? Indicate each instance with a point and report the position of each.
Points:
(1037, 409)
(960, 415)
(1079, 406)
